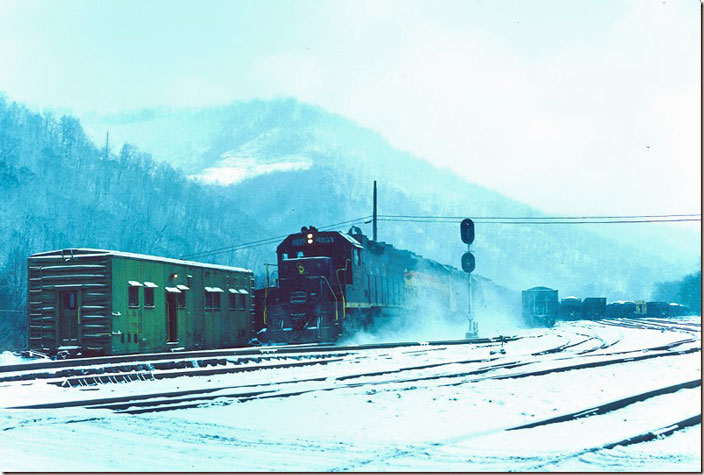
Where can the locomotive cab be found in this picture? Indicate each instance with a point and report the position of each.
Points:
(315, 268)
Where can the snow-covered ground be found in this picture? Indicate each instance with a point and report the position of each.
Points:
(427, 408)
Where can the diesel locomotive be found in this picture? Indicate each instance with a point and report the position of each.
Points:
(332, 284)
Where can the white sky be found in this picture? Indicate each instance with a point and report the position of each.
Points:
(570, 106)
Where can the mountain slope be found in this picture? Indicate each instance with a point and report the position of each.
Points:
(296, 164)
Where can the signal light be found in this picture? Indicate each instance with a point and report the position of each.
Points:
(468, 262)
(467, 231)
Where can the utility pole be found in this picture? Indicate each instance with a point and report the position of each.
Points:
(374, 219)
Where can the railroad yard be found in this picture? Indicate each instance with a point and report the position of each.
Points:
(614, 394)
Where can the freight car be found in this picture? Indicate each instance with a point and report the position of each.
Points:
(593, 308)
(622, 308)
(332, 284)
(571, 308)
(101, 302)
(540, 306)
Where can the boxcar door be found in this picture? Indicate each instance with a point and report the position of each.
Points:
(171, 316)
(68, 318)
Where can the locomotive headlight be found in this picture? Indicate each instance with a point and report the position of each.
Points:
(310, 236)
(310, 241)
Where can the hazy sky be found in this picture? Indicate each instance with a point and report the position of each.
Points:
(571, 106)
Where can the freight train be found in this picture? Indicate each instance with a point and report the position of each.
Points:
(333, 284)
(541, 307)
(330, 284)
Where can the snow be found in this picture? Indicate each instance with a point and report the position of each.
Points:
(9, 358)
(435, 419)
(235, 167)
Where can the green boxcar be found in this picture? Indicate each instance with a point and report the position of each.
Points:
(100, 302)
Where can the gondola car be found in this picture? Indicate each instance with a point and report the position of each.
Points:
(332, 284)
(101, 302)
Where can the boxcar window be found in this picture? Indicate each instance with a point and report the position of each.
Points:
(181, 299)
(133, 296)
(243, 301)
(69, 302)
(233, 301)
(212, 300)
(355, 252)
(148, 297)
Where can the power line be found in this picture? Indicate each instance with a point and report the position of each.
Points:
(401, 216)
(520, 221)
(662, 218)
(263, 242)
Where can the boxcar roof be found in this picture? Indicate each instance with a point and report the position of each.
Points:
(78, 252)
(540, 289)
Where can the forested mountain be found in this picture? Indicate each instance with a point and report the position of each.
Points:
(59, 190)
(298, 164)
(280, 164)
(687, 291)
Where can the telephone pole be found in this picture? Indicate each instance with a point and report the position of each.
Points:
(374, 219)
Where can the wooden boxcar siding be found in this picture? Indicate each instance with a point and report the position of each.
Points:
(90, 277)
(197, 327)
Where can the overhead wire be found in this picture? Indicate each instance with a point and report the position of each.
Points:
(551, 221)
(542, 217)
(263, 242)
(541, 220)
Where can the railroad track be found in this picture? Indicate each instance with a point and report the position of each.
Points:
(167, 401)
(657, 433)
(179, 368)
(675, 321)
(171, 399)
(158, 369)
(589, 412)
(651, 325)
(269, 351)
